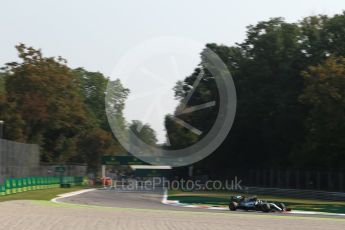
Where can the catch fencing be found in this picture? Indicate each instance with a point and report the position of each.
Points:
(331, 181)
(295, 193)
(20, 160)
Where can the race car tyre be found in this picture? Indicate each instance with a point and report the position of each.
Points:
(282, 206)
(266, 208)
(233, 206)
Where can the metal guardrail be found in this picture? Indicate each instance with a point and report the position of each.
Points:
(296, 193)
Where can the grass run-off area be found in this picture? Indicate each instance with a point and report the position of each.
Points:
(44, 194)
(220, 198)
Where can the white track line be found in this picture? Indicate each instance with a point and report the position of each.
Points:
(65, 195)
(316, 213)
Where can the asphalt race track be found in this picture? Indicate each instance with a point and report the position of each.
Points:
(104, 209)
(147, 200)
(124, 199)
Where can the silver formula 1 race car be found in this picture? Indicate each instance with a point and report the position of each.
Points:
(252, 203)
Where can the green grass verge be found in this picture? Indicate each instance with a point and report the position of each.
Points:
(218, 198)
(44, 194)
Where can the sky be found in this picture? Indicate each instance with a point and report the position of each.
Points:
(148, 44)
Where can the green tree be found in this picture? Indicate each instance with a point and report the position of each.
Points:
(324, 94)
(2, 84)
(93, 87)
(99, 141)
(61, 109)
(204, 92)
(14, 124)
(115, 102)
(93, 145)
(269, 121)
(144, 132)
(45, 96)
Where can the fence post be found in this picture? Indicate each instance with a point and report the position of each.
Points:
(318, 180)
(297, 179)
(329, 180)
(278, 179)
(257, 178)
(271, 178)
(287, 179)
(307, 180)
(341, 181)
(264, 180)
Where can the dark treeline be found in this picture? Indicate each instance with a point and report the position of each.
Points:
(290, 83)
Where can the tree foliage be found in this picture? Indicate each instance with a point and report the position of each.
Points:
(2, 84)
(47, 98)
(289, 83)
(61, 109)
(144, 132)
(324, 94)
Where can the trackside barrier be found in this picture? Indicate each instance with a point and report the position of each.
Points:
(18, 185)
(295, 193)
